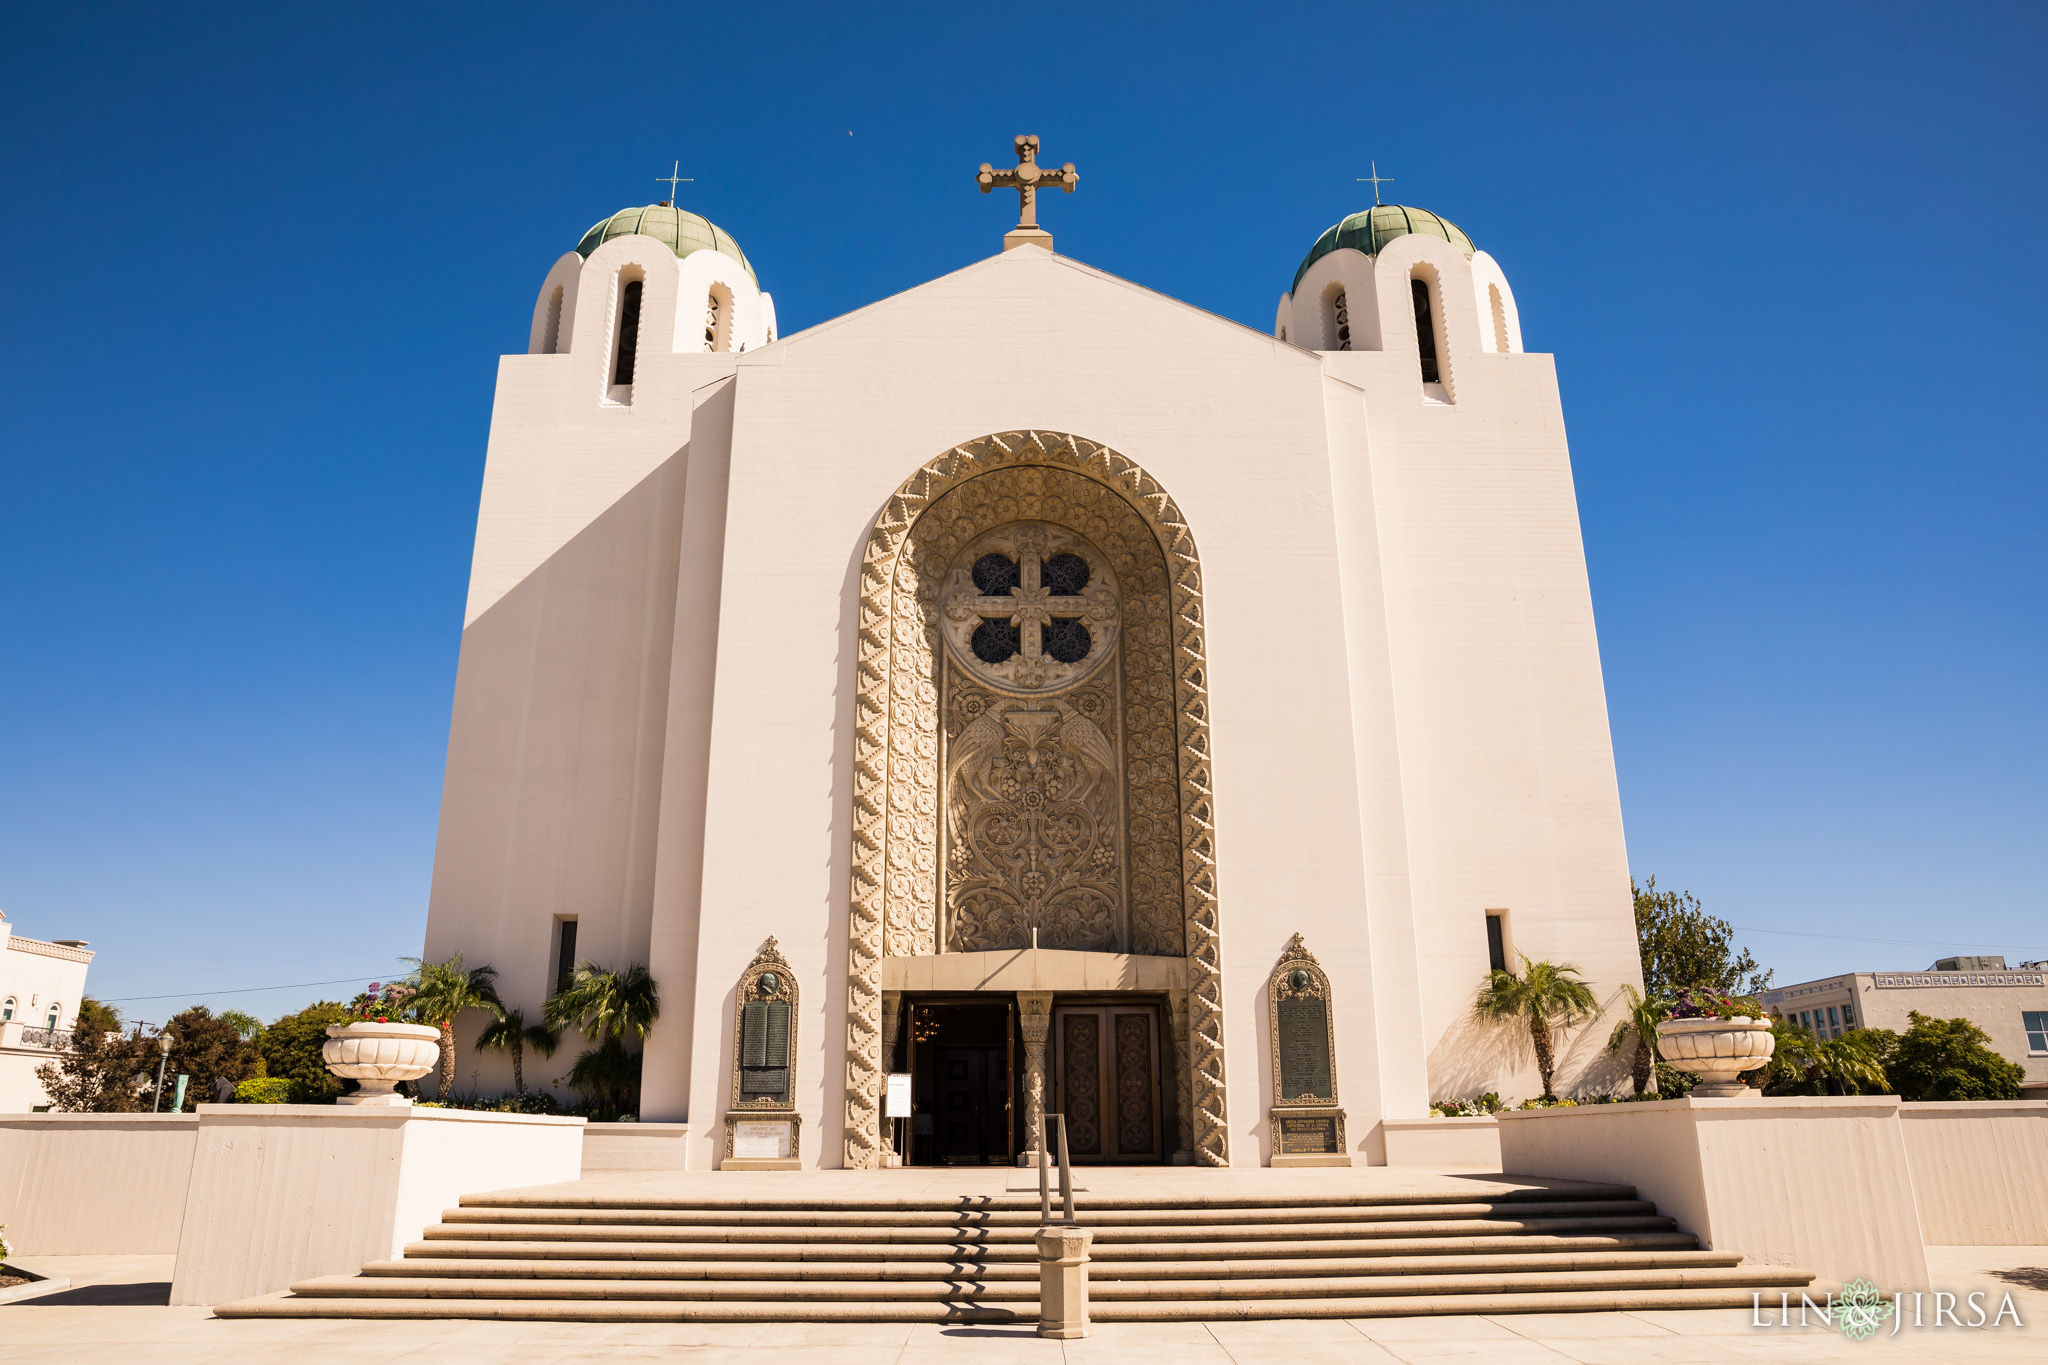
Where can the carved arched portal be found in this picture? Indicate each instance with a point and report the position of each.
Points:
(1032, 746)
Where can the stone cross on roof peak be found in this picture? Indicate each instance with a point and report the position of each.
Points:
(1027, 177)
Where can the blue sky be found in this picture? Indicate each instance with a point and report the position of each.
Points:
(259, 264)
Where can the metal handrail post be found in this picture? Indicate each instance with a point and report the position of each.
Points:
(1066, 1173)
(1044, 1189)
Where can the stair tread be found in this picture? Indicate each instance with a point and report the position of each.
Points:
(1147, 1269)
(782, 1311)
(1359, 1286)
(1025, 1251)
(1028, 1217)
(583, 1199)
(1107, 1236)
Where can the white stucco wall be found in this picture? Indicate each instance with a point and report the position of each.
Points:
(654, 711)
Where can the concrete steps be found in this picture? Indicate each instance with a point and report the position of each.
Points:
(571, 1258)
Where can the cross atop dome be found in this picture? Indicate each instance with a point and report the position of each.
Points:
(1026, 177)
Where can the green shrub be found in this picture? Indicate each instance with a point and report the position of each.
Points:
(291, 1050)
(270, 1090)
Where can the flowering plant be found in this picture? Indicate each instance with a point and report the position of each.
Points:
(382, 1003)
(1489, 1103)
(1704, 1002)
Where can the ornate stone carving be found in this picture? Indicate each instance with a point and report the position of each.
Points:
(1033, 607)
(1034, 827)
(1171, 897)
(1034, 1022)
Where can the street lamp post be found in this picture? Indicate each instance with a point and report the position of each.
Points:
(163, 1056)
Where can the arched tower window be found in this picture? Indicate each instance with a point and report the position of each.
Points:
(6, 1009)
(717, 319)
(1425, 330)
(1500, 319)
(56, 1015)
(1340, 321)
(551, 332)
(629, 333)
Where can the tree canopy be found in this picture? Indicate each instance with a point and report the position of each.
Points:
(1950, 1059)
(100, 1073)
(208, 1049)
(1682, 945)
(291, 1049)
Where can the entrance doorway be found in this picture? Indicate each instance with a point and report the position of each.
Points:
(962, 1105)
(1106, 1081)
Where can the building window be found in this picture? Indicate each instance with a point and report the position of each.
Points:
(629, 333)
(2037, 1029)
(1496, 943)
(1425, 330)
(565, 955)
(551, 335)
(1849, 1016)
(1341, 311)
(1835, 1020)
(56, 1015)
(6, 1009)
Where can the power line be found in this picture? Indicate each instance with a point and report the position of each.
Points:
(245, 990)
(1908, 942)
(242, 966)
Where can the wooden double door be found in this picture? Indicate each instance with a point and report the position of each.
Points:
(1106, 1080)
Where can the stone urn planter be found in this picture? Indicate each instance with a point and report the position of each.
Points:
(379, 1056)
(1717, 1051)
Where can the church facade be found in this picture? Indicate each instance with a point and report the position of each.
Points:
(1039, 689)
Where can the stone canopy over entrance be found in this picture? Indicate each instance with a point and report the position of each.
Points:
(1031, 766)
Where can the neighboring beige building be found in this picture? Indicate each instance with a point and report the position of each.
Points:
(1032, 656)
(40, 987)
(2010, 1004)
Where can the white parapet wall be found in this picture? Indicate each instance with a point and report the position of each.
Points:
(1823, 1184)
(1466, 1143)
(636, 1147)
(283, 1192)
(1980, 1171)
(95, 1184)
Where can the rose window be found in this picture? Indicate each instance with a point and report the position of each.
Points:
(1030, 607)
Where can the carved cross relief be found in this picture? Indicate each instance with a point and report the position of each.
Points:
(1030, 607)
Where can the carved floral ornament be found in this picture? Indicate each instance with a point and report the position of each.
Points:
(1148, 867)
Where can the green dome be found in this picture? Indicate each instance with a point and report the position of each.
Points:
(1378, 225)
(684, 232)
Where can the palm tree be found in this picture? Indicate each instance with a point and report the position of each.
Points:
(1546, 996)
(510, 1032)
(604, 1005)
(1644, 1014)
(443, 990)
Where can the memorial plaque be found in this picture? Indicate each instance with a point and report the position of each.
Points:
(764, 1049)
(761, 1139)
(1308, 1136)
(899, 1096)
(1304, 1047)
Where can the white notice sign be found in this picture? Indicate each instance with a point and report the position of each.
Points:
(761, 1138)
(899, 1096)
